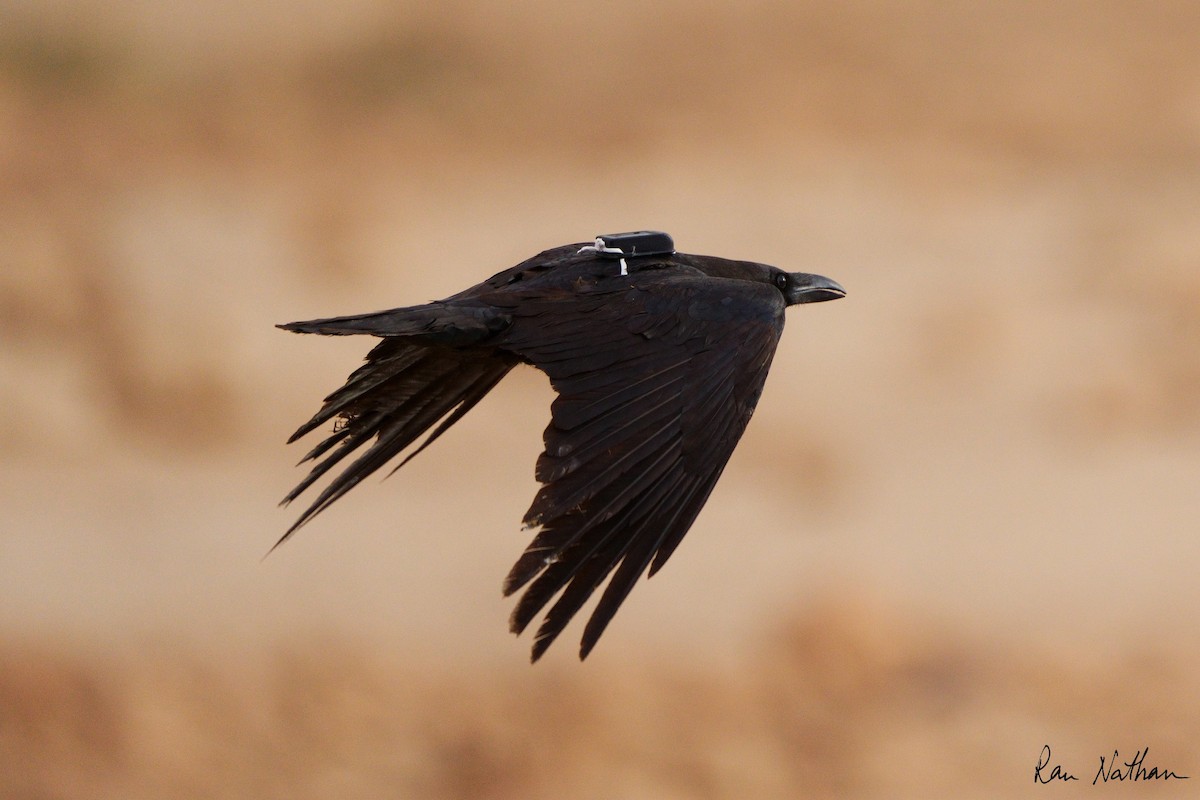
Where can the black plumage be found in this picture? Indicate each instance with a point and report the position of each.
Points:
(657, 361)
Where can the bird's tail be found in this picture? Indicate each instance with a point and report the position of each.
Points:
(408, 383)
(457, 324)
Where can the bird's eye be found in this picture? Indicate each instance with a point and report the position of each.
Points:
(781, 280)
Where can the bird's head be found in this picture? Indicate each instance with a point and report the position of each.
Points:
(796, 287)
(804, 287)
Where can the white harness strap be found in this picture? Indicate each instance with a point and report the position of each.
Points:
(601, 247)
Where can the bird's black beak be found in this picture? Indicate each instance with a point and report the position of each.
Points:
(805, 288)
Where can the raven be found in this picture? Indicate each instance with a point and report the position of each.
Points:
(657, 358)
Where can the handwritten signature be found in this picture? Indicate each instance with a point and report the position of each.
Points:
(1134, 769)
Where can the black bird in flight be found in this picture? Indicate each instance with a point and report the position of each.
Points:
(658, 359)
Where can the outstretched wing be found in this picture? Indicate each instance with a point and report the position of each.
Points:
(424, 370)
(657, 376)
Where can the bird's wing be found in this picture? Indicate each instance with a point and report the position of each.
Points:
(656, 380)
(424, 370)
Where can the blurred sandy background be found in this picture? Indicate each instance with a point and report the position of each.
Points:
(961, 526)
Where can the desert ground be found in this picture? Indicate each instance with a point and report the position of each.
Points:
(961, 528)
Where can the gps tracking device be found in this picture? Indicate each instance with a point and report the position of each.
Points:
(631, 245)
(635, 244)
